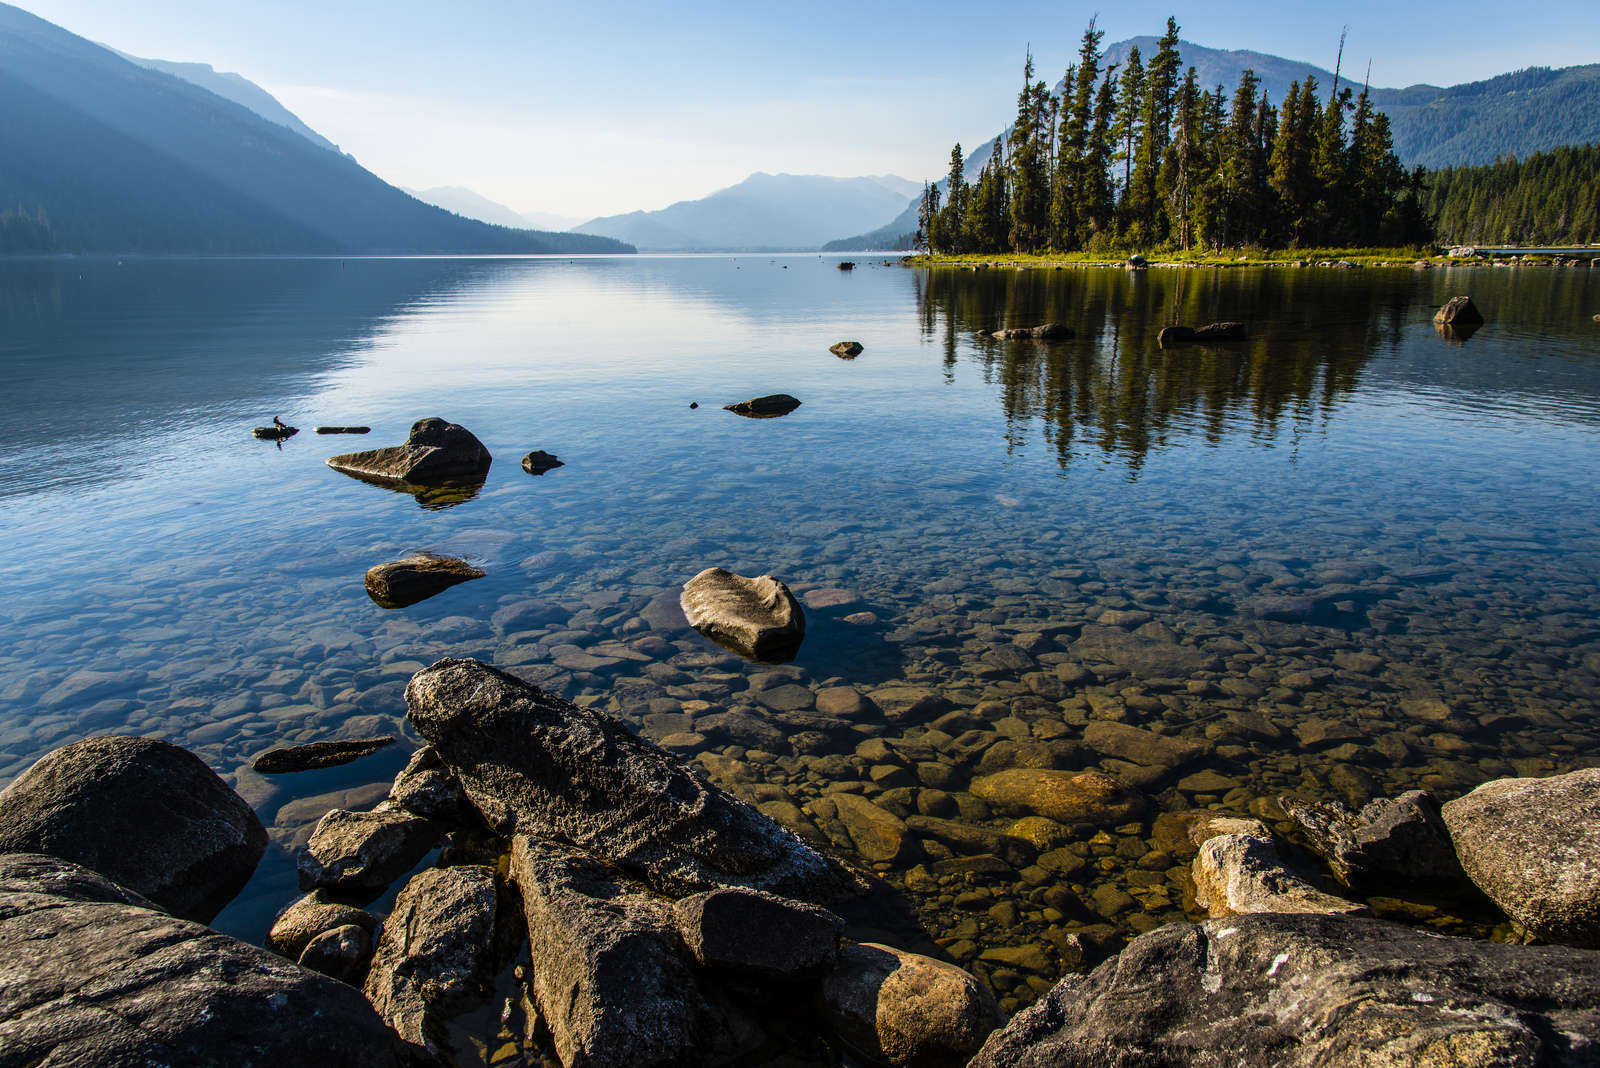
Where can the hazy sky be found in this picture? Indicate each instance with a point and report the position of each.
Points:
(606, 106)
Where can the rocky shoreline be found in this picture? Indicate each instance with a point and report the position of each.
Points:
(651, 918)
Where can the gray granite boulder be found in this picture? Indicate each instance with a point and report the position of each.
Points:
(342, 953)
(361, 853)
(436, 451)
(758, 934)
(906, 1010)
(146, 814)
(1244, 873)
(1312, 992)
(758, 618)
(1533, 846)
(425, 787)
(90, 978)
(314, 914)
(416, 578)
(1459, 311)
(532, 763)
(1390, 841)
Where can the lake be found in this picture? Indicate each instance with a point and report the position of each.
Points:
(1345, 558)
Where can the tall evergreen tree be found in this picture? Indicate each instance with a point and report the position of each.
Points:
(1030, 179)
(1098, 215)
(1161, 79)
(989, 211)
(928, 236)
(1293, 153)
(1183, 170)
(1076, 194)
(1130, 104)
(953, 218)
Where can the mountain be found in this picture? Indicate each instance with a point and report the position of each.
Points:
(236, 88)
(764, 212)
(465, 202)
(549, 220)
(1527, 111)
(98, 154)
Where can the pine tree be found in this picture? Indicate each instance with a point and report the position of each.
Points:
(1293, 180)
(1161, 78)
(1130, 102)
(1182, 169)
(1077, 193)
(989, 211)
(1330, 175)
(928, 236)
(1030, 180)
(952, 220)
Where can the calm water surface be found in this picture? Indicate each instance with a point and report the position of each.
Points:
(1347, 557)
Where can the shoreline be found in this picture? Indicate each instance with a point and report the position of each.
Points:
(1399, 258)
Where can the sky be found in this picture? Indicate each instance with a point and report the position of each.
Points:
(609, 106)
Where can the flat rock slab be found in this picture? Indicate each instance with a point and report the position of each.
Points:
(416, 578)
(88, 977)
(1235, 874)
(361, 853)
(274, 433)
(758, 618)
(1064, 796)
(532, 763)
(146, 814)
(343, 429)
(436, 451)
(1533, 846)
(906, 1010)
(769, 407)
(762, 935)
(314, 755)
(1312, 992)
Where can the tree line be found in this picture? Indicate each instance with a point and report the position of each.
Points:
(1143, 157)
(1549, 198)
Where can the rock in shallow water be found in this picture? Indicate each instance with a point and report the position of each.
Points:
(1063, 796)
(361, 853)
(1459, 311)
(758, 618)
(538, 462)
(436, 451)
(1236, 874)
(1312, 992)
(416, 578)
(314, 755)
(146, 814)
(534, 764)
(764, 407)
(91, 978)
(315, 914)
(907, 1010)
(846, 350)
(1399, 840)
(1533, 846)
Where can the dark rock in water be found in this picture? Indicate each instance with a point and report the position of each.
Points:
(315, 914)
(361, 853)
(343, 953)
(846, 265)
(274, 433)
(846, 350)
(1305, 991)
(435, 452)
(343, 429)
(314, 755)
(427, 788)
(142, 812)
(416, 578)
(906, 1010)
(437, 956)
(1046, 332)
(534, 764)
(1137, 262)
(1285, 609)
(1178, 335)
(1399, 840)
(758, 618)
(1174, 335)
(609, 976)
(693, 405)
(1459, 311)
(1533, 846)
(759, 934)
(538, 462)
(764, 407)
(1454, 333)
(1237, 874)
(92, 978)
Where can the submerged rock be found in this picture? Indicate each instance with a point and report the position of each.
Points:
(764, 407)
(1236, 874)
(1390, 840)
(1459, 311)
(314, 755)
(758, 618)
(1312, 991)
(538, 462)
(1533, 846)
(95, 976)
(1046, 332)
(907, 1010)
(1179, 335)
(361, 853)
(416, 578)
(142, 812)
(846, 350)
(1064, 796)
(436, 451)
(534, 764)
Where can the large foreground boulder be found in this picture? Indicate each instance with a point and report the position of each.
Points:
(146, 814)
(1533, 845)
(758, 618)
(436, 451)
(90, 977)
(1304, 991)
(416, 578)
(534, 764)
(907, 1010)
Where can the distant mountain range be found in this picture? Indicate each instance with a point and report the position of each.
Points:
(765, 212)
(1527, 111)
(474, 206)
(99, 154)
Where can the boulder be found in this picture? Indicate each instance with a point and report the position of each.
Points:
(1533, 846)
(416, 578)
(758, 618)
(1399, 840)
(1235, 874)
(343, 429)
(846, 265)
(437, 956)
(1459, 311)
(1064, 796)
(1139, 746)
(436, 451)
(846, 350)
(757, 934)
(314, 755)
(315, 914)
(1308, 992)
(343, 953)
(905, 1010)
(361, 853)
(538, 462)
(144, 813)
(1179, 335)
(1137, 262)
(878, 834)
(425, 787)
(609, 974)
(93, 975)
(274, 433)
(768, 407)
(534, 764)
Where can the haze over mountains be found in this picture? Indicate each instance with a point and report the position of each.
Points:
(466, 202)
(98, 154)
